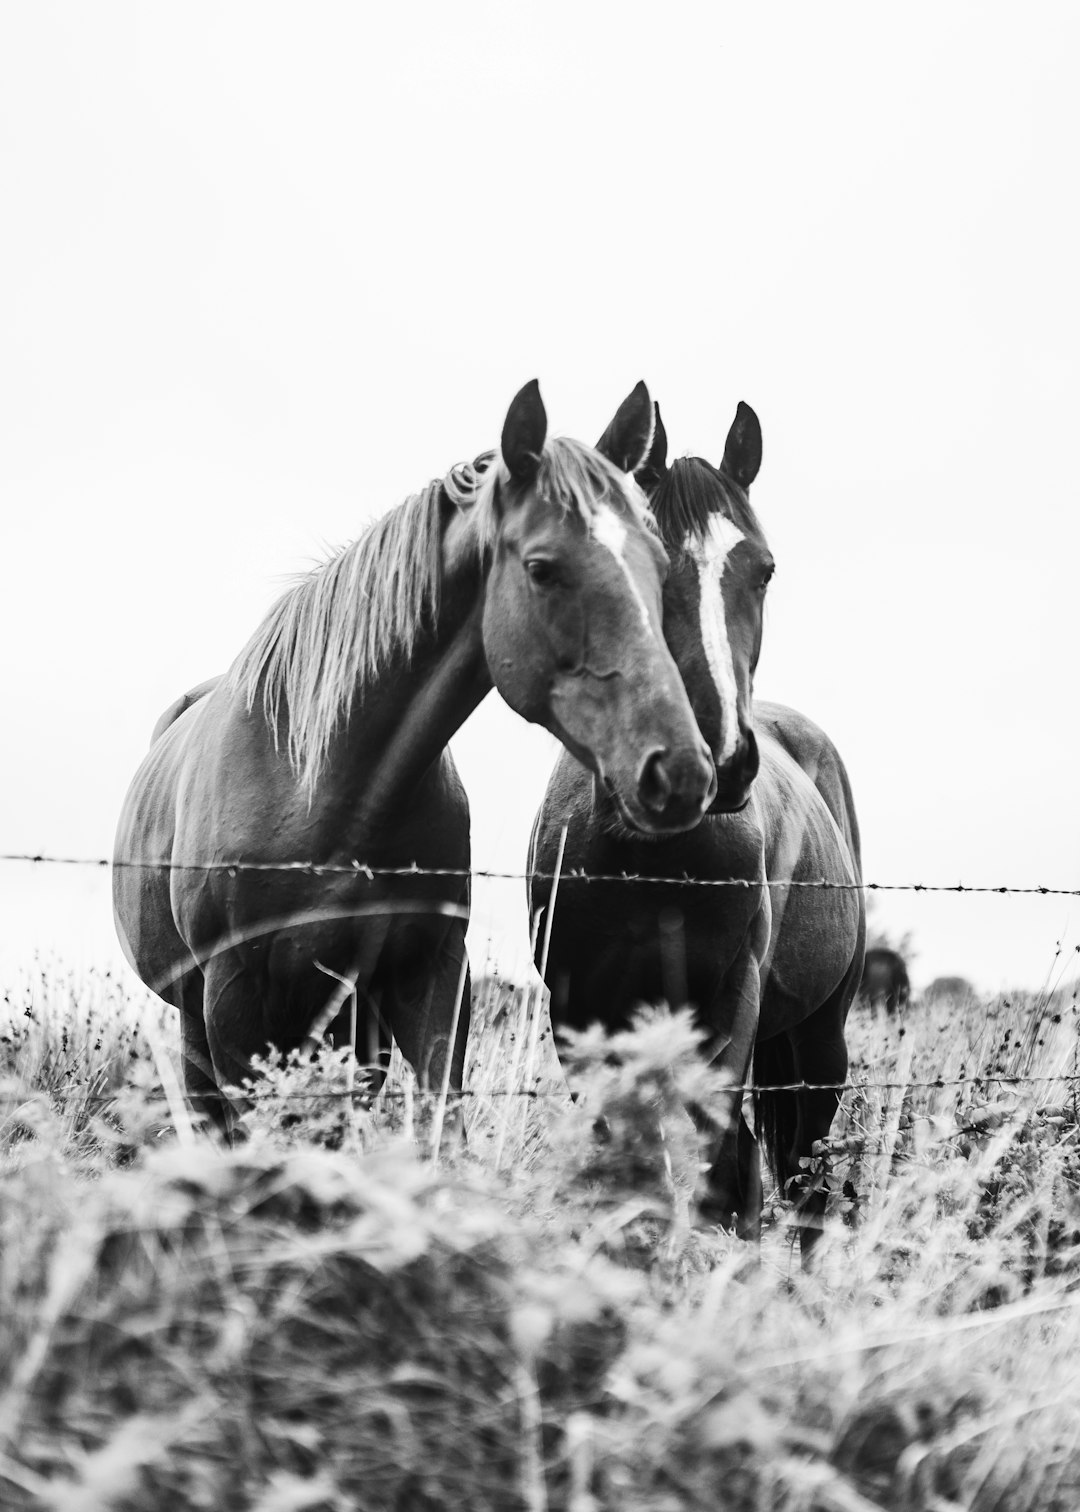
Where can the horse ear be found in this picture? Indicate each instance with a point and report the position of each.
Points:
(626, 440)
(524, 432)
(652, 472)
(742, 449)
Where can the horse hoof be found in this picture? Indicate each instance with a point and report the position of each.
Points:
(714, 1213)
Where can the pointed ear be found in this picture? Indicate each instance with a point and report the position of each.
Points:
(742, 449)
(653, 470)
(626, 440)
(524, 432)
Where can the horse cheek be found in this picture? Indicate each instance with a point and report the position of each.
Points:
(516, 668)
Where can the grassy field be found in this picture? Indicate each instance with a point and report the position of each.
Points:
(334, 1316)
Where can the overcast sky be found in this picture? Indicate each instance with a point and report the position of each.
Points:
(265, 269)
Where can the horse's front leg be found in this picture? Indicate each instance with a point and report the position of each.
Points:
(429, 1009)
(250, 1011)
(821, 1059)
(731, 1194)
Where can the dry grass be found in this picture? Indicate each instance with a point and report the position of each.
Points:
(327, 1319)
(83, 1052)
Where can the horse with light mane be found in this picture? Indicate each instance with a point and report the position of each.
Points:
(537, 571)
(770, 968)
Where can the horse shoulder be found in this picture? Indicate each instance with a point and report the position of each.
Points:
(435, 830)
(800, 835)
(811, 749)
(816, 931)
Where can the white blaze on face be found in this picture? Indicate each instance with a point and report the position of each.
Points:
(610, 531)
(711, 556)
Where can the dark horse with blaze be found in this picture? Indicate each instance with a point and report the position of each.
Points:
(255, 884)
(770, 967)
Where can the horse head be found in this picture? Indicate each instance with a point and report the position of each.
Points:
(714, 596)
(573, 616)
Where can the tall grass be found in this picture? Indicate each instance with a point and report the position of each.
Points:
(84, 1051)
(328, 1318)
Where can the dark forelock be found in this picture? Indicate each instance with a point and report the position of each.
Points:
(689, 495)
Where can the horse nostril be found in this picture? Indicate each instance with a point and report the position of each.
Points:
(654, 784)
(751, 758)
(736, 777)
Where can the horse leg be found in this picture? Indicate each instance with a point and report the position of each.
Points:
(820, 1056)
(422, 1017)
(337, 994)
(732, 1196)
(369, 1035)
(200, 1083)
(235, 1031)
(748, 1168)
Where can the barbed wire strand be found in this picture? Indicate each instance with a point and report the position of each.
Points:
(568, 874)
(573, 874)
(260, 1095)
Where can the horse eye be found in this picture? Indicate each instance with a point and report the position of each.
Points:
(541, 572)
(766, 578)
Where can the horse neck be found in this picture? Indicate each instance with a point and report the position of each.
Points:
(403, 719)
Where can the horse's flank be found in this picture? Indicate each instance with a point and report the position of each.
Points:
(336, 629)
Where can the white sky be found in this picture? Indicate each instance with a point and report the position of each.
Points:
(265, 269)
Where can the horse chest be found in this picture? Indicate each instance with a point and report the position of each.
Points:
(672, 946)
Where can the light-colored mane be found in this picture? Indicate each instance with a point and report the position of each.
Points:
(331, 635)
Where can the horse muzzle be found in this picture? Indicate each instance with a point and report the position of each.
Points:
(676, 788)
(735, 778)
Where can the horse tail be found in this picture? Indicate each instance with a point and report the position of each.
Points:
(776, 1114)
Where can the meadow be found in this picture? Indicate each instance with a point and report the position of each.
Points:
(354, 1311)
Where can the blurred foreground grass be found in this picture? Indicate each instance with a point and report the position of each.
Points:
(329, 1318)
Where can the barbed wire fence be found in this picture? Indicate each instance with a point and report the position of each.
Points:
(562, 876)
(568, 874)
